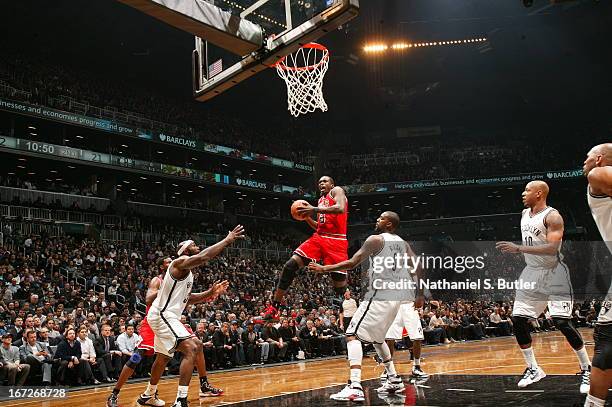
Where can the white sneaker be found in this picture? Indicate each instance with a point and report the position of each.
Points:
(531, 376)
(392, 386)
(585, 381)
(351, 392)
(145, 400)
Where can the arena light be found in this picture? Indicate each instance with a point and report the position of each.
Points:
(402, 46)
(375, 48)
(399, 46)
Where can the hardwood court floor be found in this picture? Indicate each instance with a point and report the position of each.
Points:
(310, 383)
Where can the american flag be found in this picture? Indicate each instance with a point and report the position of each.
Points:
(215, 68)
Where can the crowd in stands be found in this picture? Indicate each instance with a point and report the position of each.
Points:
(73, 307)
(40, 81)
(445, 159)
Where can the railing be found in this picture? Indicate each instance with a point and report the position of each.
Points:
(25, 229)
(13, 211)
(8, 194)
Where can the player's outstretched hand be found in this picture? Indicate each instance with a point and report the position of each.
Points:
(507, 247)
(237, 233)
(218, 288)
(315, 267)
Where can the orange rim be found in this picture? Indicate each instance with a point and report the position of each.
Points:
(312, 45)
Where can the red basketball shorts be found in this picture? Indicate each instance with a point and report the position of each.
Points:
(330, 250)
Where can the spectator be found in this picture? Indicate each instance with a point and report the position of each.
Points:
(278, 348)
(88, 355)
(289, 334)
(310, 335)
(127, 342)
(347, 310)
(15, 371)
(38, 356)
(108, 355)
(225, 347)
(256, 349)
(71, 370)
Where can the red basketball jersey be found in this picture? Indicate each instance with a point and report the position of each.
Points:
(332, 224)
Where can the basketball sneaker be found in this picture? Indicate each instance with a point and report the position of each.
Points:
(392, 385)
(585, 380)
(418, 373)
(271, 313)
(351, 392)
(206, 390)
(531, 376)
(113, 400)
(145, 400)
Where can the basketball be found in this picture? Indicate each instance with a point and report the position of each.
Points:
(300, 203)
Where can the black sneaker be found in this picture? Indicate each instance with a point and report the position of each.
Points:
(206, 390)
(113, 400)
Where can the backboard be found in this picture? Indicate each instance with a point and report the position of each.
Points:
(286, 25)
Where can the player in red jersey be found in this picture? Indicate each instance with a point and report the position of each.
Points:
(328, 243)
(146, 348)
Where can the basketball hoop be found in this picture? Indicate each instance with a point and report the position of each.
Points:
(303, 72)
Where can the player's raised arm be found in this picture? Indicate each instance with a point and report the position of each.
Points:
(373, 244)
(554, 237)
(189, 262)
(600, 180)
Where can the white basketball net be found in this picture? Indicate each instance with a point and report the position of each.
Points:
(303, 72)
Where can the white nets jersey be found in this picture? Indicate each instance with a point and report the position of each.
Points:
(601, 209)
(534, 233)
(173, 295)
(385, 271)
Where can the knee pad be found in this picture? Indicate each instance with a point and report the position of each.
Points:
(135, 359)
(521, 330)
(571, 334)
(354, 352)
(288, 274)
